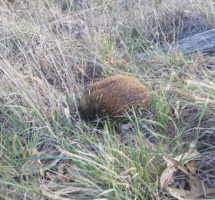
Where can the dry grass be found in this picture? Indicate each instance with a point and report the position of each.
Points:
(51, 50)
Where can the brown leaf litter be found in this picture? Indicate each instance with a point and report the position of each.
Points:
(187, 165)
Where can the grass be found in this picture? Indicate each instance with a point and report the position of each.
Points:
(51, 50)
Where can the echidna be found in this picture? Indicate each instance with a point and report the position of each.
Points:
(113, 97)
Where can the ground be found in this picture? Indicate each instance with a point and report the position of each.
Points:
(50, 51)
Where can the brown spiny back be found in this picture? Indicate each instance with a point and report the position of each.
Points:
(113, 97)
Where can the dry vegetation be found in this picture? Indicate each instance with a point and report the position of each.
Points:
(50, 50)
